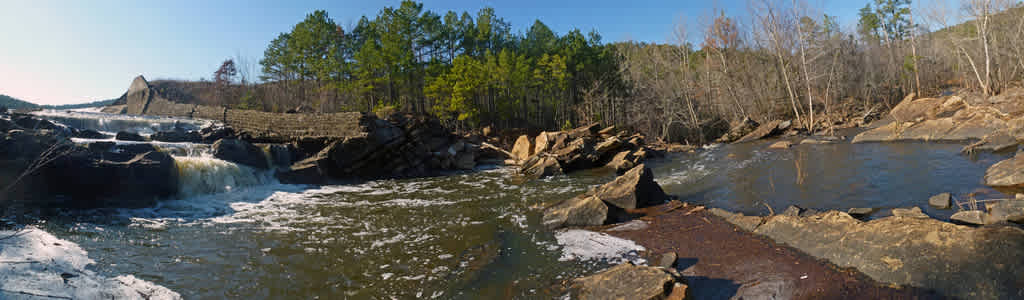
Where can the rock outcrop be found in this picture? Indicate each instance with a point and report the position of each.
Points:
(397, 147)
(960, 117)
(955, 260)
(177, 136)
(578, 149)
(101, 174)
(629, 281)
(240, 151)
(738, 131)
(608, 203)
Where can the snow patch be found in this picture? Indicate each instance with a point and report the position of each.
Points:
(588, 245)
(34, 263)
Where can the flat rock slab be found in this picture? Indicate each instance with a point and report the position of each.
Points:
(722, 261)
(955, 260)
(624, 281)
(1007, 175)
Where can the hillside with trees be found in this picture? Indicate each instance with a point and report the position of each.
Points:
(786, 61)
(15, 103)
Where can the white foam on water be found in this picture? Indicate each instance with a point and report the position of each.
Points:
(578, 244)
(34, 262)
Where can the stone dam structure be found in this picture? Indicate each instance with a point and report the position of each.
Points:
(142, 99)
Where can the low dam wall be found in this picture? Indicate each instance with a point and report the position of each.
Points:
(141, 99)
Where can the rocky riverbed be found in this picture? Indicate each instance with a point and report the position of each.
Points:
(569, 205)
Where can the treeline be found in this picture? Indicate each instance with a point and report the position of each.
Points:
(15, 103)
(784, 62)
(467, 69)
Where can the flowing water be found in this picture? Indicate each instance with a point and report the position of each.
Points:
(236, 233)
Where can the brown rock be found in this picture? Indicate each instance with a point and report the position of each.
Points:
(523, 148)
(781, 145)
(635, 189)
(913, 212)
(625, 281)
(582, 210)
(1007, 174)
(540, 166)
(762, 131)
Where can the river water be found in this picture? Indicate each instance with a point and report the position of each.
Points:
(235, 233)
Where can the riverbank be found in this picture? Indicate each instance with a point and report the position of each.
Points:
(721, 261)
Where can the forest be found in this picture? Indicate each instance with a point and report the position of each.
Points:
(786, 60)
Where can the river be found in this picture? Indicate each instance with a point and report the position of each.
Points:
(237, 233)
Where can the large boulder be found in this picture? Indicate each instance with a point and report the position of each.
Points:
(920, 252)
(634, 189)
(212, 134)
(523, 148)
(577, 155)
(1007, 175)
(582, 210)
(608, 203)
(95, 180)
(29, 122)
(547, 141)
(240, 151)
(622, 161)
(540, 166)
(765, 130)
(739, 130)
(627, 281)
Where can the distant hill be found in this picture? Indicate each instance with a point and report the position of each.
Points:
(14, 103)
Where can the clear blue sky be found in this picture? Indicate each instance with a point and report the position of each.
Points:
(59, 52)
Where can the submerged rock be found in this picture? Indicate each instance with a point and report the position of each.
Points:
(941, 201)
(626, 281)
(781, 145)
(239, 151)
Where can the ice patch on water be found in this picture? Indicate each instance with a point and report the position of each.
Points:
(37, 263)
(578, 244)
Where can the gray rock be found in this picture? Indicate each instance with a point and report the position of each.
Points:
(668, 260)
(765, 130)
(969, 217)
(913, 212)
(1007, 210)
(1007, 174)
(625, 281)
(91, 134)
(941, 201)
(239, 151)
(128, 136)
(177, 136)
(861, 212)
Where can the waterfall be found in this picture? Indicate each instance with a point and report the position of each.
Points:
(204, 174)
